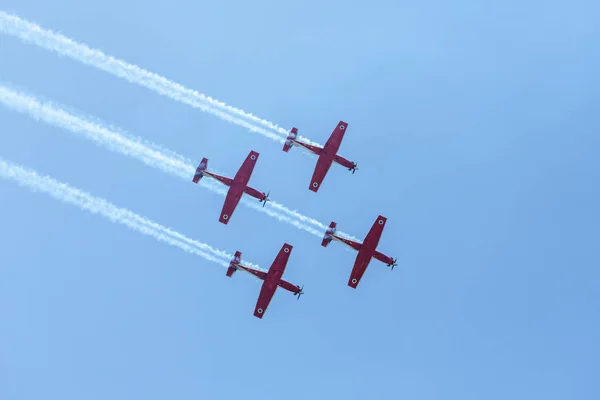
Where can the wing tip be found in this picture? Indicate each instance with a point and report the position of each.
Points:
(287, 246)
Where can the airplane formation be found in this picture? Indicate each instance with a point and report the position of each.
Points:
(238, 185)
(273, 278)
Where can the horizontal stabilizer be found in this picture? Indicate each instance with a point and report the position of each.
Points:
(237, 259)
(200, 170)
(327, 238)
(289, 142)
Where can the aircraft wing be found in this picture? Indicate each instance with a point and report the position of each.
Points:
(323, 164)
(335, 140)
(367, 251)
(272, 280)
(327, 155)
(360, 266)
(264, 298)
(372, 239)
(278, 267)
(237, 187)
(234, 194)
(245, 172)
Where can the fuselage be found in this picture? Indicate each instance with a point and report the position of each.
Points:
(326, 154)
(364, 250)
(271, 279)
(239, 184)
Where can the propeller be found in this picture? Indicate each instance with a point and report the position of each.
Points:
(354, 167)
(264, 201)
(393, 264)
(300, 292)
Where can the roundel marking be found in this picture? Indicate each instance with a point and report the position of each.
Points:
(342, 127)
(287, 250)
(253, 157)
(225, 216)
(315, 184)
(260, 310)
(380, 222)
(354, 280)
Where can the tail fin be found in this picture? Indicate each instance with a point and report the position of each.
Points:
(237, 258)
(289, 141)
(200, 170)
(328, 234)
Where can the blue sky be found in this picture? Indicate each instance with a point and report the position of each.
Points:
(476, 129)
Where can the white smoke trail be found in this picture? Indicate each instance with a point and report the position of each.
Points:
(151, 154)
(32, 33)
(67, 194)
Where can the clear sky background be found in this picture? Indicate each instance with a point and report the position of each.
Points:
(476, 129)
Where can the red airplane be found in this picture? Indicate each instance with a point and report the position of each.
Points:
(272, 279)
(237, 185)
(366, 249)
(327, 154)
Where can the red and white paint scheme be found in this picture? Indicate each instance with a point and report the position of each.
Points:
(272, 278)
(366, 249)
(237, 186)
(327, 154)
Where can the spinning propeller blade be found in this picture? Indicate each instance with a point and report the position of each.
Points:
(264, 201)
(300, 292)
